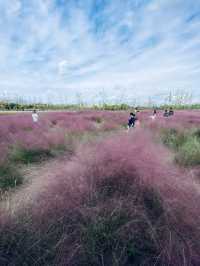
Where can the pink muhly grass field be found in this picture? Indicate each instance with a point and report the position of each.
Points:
(53, 129)
(120, 200)
(181, 119)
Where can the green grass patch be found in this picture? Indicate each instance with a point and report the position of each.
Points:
(26, 156)
(196, 133)
(186, 145)
(28, 129)
(9, 177)
(189, 153)
(173, 138)
(98, 120)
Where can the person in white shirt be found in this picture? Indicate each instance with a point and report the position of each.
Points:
(35, 116)
(153, 117)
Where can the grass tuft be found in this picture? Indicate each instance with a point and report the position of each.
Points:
(186, 145)
(26, 156)
(189, 153)
(9, 177)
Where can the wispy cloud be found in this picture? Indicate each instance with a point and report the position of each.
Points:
(65, 48)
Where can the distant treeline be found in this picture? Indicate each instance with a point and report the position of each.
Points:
(181, 106)
(40, 106)
(11, 106)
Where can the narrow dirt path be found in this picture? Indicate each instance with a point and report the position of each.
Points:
(40, 169)
(35, 175)
(34, 178)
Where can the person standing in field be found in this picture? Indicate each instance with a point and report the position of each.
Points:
(136, 110)
(166, 113)
(153, 117)
(132, 120)
(171, 111)
(35, 116)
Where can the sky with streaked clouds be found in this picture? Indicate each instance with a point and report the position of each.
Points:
(121, 50)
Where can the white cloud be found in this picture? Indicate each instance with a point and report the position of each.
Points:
(62, 67)
(149, 47)
(12, 8)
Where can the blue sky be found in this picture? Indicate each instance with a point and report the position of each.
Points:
(119, 50)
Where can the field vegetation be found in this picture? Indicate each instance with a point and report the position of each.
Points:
(78, 189)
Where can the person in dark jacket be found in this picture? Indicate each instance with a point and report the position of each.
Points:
(171, 111)
(132, 120)
(166, 113)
